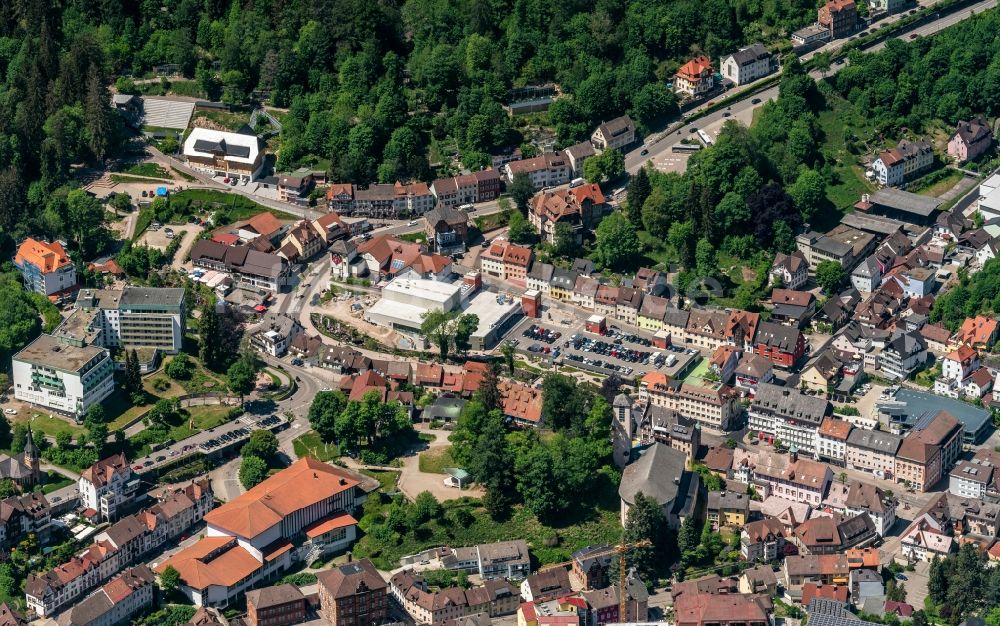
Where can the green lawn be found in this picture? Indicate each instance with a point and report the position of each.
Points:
(188, 177)
(841, 124)
(310, 444)
(149, 170)
(236, 207)
(202, 380)
(200, 418)
(658, 254)
(936, 183)
(128, 178)
(55, 481)
(386, 479)
(595, 521)
(142, 222)
(436, 461)
(414, 237)
(47, 424)
(226, 119)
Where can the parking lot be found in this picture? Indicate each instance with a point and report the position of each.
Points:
(214, 441)
(622, 352)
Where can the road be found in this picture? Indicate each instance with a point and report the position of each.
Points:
(635, 159)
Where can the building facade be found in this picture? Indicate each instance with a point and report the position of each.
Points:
(45, 266)
(61, 377)
(747, 64)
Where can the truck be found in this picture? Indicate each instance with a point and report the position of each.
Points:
(576, 182)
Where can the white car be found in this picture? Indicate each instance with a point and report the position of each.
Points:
(412, 223)
(10, 411)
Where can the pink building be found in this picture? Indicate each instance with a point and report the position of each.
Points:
(971, 139)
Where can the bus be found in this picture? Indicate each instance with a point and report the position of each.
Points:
(705, 137)
(685, 147)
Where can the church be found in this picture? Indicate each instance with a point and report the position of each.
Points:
(23, 469)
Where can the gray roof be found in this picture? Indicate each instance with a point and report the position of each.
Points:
(972, 131)
(444, 408)
(47, 351)
(542, 272)
(907, 343)
(718, 500)
(673, 422)
(564, 279)
(867, 268)
(584, 556)
(872, 223)
(503, 551)
(450, 215)
(676, 317)
(905, 201)
(125, 530)
(789, 404)
(918, 404)
(617, 126)
(278, 322)
(581, 150)
(139, 296)
(343, 247)
(475, 619)
(778, 336)
(222, 147)
(753, 365)
(753, 52)
(658, 474)
(876, 440)
(583, 266)
(274, 596)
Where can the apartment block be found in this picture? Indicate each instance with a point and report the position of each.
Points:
(132, 317)
(45, 267)
(62, 377)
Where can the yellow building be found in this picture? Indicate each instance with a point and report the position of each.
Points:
(727, 508)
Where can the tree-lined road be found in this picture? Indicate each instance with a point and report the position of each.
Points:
(635, 159)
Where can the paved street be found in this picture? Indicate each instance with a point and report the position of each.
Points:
(661, 144)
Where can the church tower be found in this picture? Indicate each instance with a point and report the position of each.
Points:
(30, 456)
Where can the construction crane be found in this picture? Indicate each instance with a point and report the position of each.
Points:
(619, 551)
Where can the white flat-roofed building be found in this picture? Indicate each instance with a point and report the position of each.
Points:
(496, 314)
(65, 378)
(405, 301)
(224, 154)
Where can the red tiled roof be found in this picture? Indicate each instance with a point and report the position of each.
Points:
(264, 223)
(47, 257)
(302, 484)
(835, 428)
(693, 69)
(226, 239)
(325, 525)
(828, 592)
(521, 401)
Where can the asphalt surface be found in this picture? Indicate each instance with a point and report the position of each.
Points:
(565, 345)
(634, 159)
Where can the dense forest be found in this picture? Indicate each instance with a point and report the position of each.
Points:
(746, 195)
(951, 76)
(368, 85)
